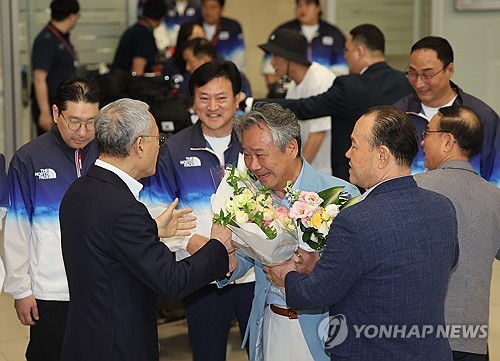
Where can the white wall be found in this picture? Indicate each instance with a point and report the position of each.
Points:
(474, 38)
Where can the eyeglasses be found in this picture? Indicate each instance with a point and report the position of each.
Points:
(162, 138)
(424, 132)
(413, 75)
(74, 126)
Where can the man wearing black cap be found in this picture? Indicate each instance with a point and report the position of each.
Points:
(288, 57)
(371, 82)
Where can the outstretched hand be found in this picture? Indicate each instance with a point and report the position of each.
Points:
(175, 222)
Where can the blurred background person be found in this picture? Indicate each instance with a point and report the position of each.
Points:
(178, 13)
(325, 43)
(199, 51)
(175, 67)
(288, 57)
(225, 34)
(137, 49)
(53, 59)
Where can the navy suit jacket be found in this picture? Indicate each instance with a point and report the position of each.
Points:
(116, 266)
(387, 262)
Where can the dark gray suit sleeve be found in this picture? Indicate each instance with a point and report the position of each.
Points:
(137, 247)
(330, 103)
(334, 274)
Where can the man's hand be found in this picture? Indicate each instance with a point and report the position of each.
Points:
(223, 235)
(195, 243)
(277, 274)
(305, 261)
(175, 222)
(27, 310)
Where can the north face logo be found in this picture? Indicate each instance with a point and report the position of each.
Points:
(191, 162)
(47, 173)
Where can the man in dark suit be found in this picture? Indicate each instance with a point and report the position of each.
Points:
(370, 82)
(115, 262)
(385, 269)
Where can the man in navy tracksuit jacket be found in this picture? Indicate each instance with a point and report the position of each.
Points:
(189, 168)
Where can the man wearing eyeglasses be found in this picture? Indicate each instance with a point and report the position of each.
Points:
(429, 72)
(115, 263)
(453, 136)
(40, 172)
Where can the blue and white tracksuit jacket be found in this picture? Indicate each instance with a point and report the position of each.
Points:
(39, 175)
(229, 42)
(183, 171)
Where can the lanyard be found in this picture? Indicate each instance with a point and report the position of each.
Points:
(67, 45)
(215, 39)
(78, 162)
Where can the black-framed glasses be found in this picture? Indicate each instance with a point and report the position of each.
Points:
(413, 75)
(424, 132)
(74, 126)
(162, 138)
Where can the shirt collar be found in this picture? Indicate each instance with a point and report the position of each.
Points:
(369, 190)
(295, 185)
(134, 186)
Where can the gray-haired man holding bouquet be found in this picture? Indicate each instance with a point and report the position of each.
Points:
(270, 137)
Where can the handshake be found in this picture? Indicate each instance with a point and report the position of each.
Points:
(221, 234)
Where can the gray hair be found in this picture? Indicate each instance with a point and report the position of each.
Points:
(119, 124)
(282, 123)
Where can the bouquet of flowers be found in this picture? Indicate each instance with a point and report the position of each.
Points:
(263, 226)
(314, 212)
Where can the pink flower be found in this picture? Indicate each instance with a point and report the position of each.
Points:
(282, 212)
(311, 198)
(301, 209)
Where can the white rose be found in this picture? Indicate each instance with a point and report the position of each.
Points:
(332, 210)
(242, 199)
(269, 214)
(241, 217)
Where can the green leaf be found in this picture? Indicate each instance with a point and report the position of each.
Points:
(331, 195)
(351, 202)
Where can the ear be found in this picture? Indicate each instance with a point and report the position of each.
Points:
(361, 50)
(293, 148)
(451, 69)
(449, 142)
(384, 155)
(55, 113)
(138, 147)
(238, 99)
